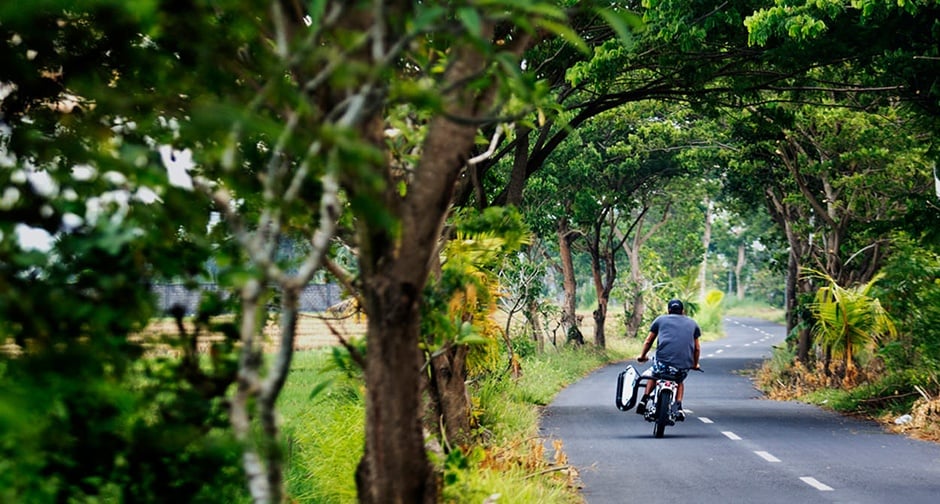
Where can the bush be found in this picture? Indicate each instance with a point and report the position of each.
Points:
(710, 315)
(910, 292)
(76, 428)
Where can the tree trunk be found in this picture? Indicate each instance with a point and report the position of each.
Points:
(802, 348)
(532, 313)
(600, 317)
(738, 268)
(394, 467)
(638, 304)
(635, 320)
(448, 393)
(518, 175)
(600, 313)
(603, 284)
(795, 287)
(636, 315)
(706, 241)
(568, 316)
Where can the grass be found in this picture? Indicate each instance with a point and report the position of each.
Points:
(754, 309)
(324, 432)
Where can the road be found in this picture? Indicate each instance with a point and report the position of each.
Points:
(735, 446)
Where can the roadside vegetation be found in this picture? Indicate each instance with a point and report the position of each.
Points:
(876, 348)
(322, 406)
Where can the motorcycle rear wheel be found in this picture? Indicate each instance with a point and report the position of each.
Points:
(663, 403)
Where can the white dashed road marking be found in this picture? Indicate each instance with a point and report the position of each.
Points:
(767, 456)
(813, 482)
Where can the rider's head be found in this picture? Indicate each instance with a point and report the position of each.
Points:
(675, 306)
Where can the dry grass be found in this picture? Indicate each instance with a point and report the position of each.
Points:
(318, 330)
(313, 331)
(925, 422)
(797, 381)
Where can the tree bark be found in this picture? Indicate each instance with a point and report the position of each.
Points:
(738, 268)
(706, 242)
(602, 286)
(448, 392)
(604, 271)
(394, 467)
(532, 314)
(517, 177)
(569, 284)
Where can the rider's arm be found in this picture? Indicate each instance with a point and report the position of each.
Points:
(646, 347)
(696, 353)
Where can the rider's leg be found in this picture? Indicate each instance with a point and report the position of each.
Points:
(641, 406)
(680, 414)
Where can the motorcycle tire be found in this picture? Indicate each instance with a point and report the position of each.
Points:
(663, 402)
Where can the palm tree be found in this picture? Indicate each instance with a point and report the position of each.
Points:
(848, 320)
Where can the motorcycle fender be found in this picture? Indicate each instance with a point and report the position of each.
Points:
(626, 384)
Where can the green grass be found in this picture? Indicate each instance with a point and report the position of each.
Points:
(891, 394)
(754, 309)
(324, 433)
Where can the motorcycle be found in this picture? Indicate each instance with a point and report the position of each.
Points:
(661, 408)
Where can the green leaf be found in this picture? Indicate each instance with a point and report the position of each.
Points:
(315, 11)
(426, 16)
(623, 24)
(470, 19)
(567, 33)
(319, 388)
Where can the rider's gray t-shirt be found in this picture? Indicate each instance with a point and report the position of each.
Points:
(676, 336)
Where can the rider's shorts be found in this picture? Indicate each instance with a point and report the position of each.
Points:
(661, 369)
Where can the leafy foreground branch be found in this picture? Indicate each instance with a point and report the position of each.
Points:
(325, 434)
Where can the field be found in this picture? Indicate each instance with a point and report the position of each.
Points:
(318, 330)
(314, 330)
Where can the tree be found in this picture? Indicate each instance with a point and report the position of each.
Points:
(742, 236)
(849, 320)
(523, 280)
(464, 70)
(684, 52)
(833, 181)
(459, 336)
(639, 284)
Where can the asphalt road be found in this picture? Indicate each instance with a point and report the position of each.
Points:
(735, 446)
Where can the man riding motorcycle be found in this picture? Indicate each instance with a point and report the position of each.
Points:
(677, 352)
